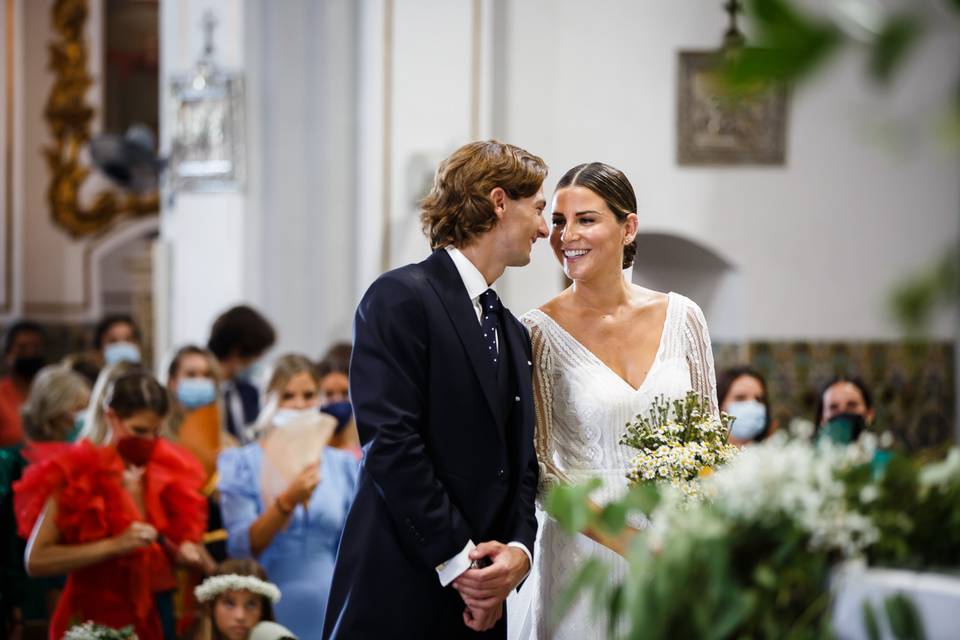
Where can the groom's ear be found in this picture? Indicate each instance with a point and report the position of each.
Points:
(499, 198)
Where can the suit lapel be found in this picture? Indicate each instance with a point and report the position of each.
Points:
(449, 287)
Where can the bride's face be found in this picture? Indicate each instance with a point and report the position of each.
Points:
(586, 237)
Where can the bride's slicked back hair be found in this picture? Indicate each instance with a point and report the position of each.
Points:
(612, 185)
(458, 207)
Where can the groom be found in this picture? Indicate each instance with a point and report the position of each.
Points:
(442, 526)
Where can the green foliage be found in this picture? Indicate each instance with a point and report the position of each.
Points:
(711, 575)
(892, 45)
(902, 618)
(914, 300)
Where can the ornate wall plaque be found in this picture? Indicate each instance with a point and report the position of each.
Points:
(717, 127)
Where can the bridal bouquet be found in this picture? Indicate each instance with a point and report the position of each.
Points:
(677, 442)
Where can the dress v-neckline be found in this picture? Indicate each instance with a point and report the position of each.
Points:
(656, 357)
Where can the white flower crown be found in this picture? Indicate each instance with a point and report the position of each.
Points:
(215, 585)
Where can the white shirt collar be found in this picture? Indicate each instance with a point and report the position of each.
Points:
(473, 280)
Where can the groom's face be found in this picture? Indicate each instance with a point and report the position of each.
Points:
(522, 223)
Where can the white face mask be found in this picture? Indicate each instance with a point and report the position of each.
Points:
(751, 419)
(283, 417)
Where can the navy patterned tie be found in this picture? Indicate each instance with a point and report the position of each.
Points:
(489, 321)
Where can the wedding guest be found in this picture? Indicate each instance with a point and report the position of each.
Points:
(23, 356)
(117, 339)
(238, 339)
(236, 598)
(742, 392)
(114, 517)
(334, 370)
(844, 395)
(844, 409)
(197, 424)
(51, 418)
(290, 517)
(193, 379)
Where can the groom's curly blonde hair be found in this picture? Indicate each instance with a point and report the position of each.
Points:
(458, 207)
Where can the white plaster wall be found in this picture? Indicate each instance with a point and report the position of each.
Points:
(819, 242)
(204, 233)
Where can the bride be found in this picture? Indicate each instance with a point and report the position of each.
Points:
(603, 350)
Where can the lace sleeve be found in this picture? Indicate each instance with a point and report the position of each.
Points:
(543, 367)
(699, 354)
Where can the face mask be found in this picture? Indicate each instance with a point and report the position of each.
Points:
(77, 427)
(283, 417)
(843, 429)
(751, 419)
(196, 392)
(28, 366)
(342, 411)
(136, 450)
(121, 352)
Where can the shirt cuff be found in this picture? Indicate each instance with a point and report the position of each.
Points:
(523, 547)
(452, 568)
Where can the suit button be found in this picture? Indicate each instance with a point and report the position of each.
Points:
(516, 399)
(501, 474)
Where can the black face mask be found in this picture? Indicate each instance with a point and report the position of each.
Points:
(27, 366)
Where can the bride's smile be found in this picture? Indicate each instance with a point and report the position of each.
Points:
(586, 237)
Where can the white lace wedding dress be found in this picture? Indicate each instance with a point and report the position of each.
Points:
(582, 410)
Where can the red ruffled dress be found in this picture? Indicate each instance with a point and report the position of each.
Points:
(87, 482)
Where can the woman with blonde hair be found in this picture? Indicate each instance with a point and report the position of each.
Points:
(51, 418)
(275, 504)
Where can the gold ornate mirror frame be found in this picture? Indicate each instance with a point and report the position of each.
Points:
(69, 117)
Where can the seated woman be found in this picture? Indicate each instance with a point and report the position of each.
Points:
(51, 418)
(292, 527)
(742, 392)
(114, 517)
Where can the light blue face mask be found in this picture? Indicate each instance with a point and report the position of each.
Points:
(751, 418)
(196, 392)
(121, 352)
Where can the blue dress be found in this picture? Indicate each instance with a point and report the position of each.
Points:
(300, 558)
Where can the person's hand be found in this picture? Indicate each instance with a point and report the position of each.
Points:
(137, 535)
(487, 588)
(195, 555)
(300, 490)
(482, 619)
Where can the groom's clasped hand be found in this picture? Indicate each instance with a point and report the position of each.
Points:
(485, 589)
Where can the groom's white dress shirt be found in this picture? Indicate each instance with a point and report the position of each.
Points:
(475, 284)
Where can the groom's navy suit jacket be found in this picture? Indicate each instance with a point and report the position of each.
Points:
(448, 454)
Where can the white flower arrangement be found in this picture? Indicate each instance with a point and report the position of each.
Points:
(213, 586)
(783, 478)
